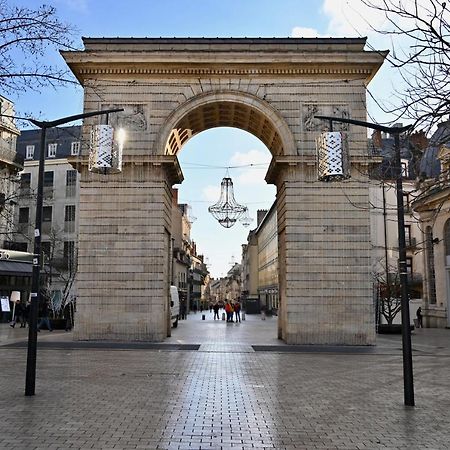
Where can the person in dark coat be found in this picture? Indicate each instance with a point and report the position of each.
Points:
(44, 315)
(419, 317)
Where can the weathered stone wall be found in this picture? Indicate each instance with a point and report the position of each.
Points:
(123, 255)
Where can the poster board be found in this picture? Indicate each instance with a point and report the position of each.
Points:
(5, 304)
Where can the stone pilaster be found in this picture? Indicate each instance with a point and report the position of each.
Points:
(123, 256)
(324, 258)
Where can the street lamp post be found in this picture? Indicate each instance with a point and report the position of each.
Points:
(406, 330)
(30, 381)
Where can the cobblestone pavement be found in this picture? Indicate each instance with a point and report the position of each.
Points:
(224, 395)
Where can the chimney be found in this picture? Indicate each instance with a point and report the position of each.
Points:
(377, 139)
(260, 216)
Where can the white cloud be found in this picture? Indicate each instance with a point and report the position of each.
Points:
(258, 162)
(250, 157)
(349, 18)
(80, 6)
(304, 32)
(211, 193)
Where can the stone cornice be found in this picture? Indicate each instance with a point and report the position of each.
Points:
(168, 162)
(137, 70)
(224, 57)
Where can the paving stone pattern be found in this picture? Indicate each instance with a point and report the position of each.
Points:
(232, 398)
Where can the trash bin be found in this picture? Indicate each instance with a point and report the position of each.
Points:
(243, 315)
(416, 323)
(203, 317)
(223, 316)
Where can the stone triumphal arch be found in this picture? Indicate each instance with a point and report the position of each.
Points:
(174, 88)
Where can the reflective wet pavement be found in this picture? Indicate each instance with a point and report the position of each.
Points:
(225, 394)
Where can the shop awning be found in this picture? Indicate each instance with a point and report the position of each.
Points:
(16, 268)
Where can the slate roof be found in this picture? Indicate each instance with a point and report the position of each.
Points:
(64, 136)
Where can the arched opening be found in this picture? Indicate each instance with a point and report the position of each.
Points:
(224, 114)
(204, 160)
(235, 110)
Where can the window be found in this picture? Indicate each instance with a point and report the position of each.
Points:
(406, 201)
(404, 165)
(29, 152)
(52, 150)
(25, 180)
(71, 178)
(447, 242)
(47, 214)
(48, 179)
(75, 148)
(69, 255)
(45, 248)
(431, 276)
(24, 215)
(409, 266)
(70, 213)
(408, 234)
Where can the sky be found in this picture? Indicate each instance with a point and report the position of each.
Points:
(220, 148)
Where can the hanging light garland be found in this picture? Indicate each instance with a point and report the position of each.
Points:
(227, 210)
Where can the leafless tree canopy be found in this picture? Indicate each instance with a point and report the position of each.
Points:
(425, 65)
(25, 36)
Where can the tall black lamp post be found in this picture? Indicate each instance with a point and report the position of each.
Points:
(30, 381)
(406, 330)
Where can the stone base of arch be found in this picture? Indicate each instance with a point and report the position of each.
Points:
(324, 261)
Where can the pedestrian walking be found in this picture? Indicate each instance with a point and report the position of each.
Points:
(216, 311)
(229, 310)
(44, 315)
(68, 316)
(419, 317)
(237, 310)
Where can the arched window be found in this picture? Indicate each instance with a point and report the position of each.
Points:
(431, 277)
(447, 242)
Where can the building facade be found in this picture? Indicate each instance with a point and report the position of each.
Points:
(433, 207)
(10, 164)
(60, 206)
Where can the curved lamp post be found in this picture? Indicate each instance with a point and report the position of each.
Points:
(406, 330)
(30, 381)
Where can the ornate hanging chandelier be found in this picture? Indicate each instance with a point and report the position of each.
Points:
(227, 210)
(246, 220)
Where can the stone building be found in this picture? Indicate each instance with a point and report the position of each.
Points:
(15, 264)
(182, 247)
(60, 207)
(433, 207)
(10, 164)
(383, 209)
(260, 264)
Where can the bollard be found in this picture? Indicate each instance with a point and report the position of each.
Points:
(203, 317)
(243, 315)
(223, 316)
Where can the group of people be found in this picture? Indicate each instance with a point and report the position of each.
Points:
(232, 310)
(21, 313)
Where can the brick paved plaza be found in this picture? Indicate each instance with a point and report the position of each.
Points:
(224, 394)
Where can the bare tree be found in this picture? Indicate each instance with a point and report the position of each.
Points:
(25, 36)
(60, 272)
(425, 65)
